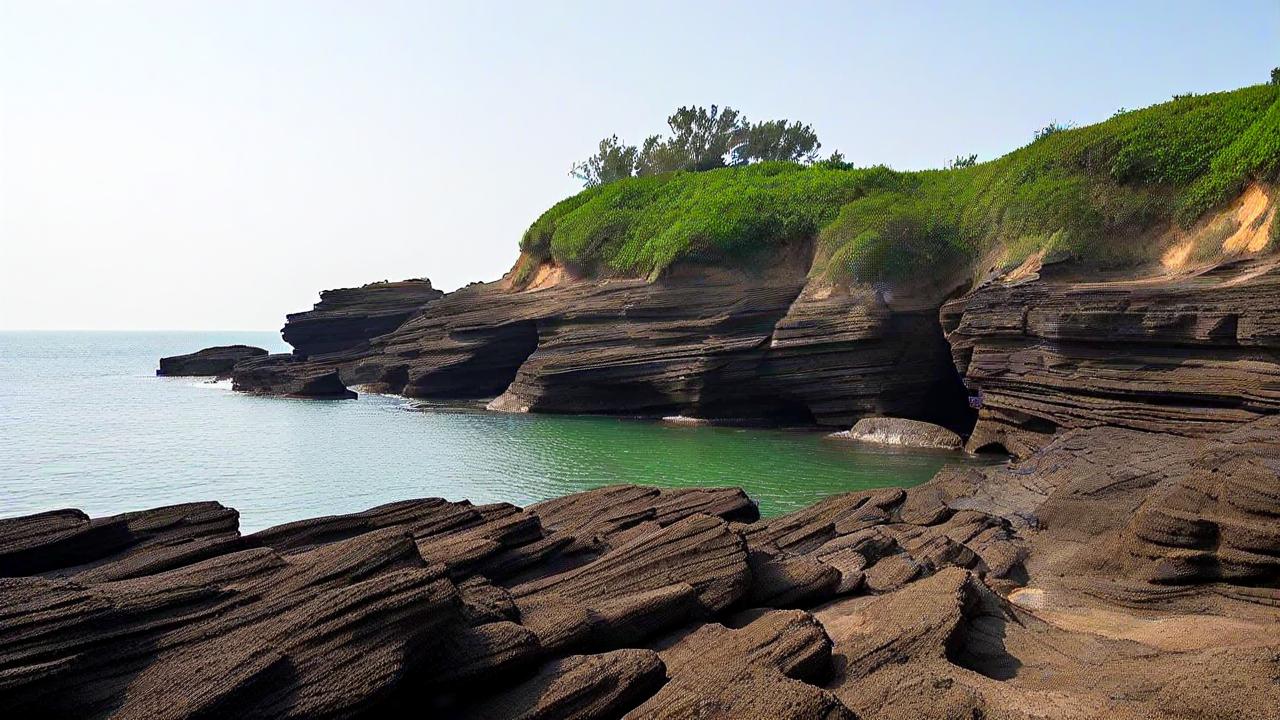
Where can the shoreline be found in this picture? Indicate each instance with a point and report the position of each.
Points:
(619, 587)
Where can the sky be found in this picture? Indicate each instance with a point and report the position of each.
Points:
(214, 165)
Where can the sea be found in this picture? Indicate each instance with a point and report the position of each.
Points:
(86, 423)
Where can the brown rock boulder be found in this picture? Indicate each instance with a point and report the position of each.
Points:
(901, 432)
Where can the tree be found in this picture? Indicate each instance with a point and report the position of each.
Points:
(777, 140)
(963, 161)
(1275, 76)
(701, 139)
(614, 161)
(1052, 128)
(835, 161)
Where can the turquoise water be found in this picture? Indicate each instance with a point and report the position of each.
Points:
(84, 422)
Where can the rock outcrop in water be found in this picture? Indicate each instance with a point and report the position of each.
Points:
(900, 432)
(216, 361)
(290, 376)
(338, 329)
(1113, 573)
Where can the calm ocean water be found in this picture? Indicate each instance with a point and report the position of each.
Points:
(84, 422)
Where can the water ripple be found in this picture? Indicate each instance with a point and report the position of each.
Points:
(84, 423)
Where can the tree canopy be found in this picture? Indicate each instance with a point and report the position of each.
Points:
(700, 139)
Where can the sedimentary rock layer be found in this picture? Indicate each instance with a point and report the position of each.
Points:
(209, 361)
(1115, 572)
(347, 318)
(290, 376)
(700, 341)
(1193, 356)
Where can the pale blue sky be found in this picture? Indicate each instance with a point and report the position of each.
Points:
(215, 164)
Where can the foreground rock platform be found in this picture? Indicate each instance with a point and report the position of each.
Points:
(1113, 573)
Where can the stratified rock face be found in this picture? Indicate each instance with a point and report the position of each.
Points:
(579, 687)
(290, 376)
(346, 319)
(1195, 356)
(701, 341)
(901, 432)
(845, 356)
(209, 361)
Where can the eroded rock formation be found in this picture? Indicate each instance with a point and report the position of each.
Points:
(701, 341)
(1194, 355)
(347, 318)
(1113, 573)
(216, 361)
(290, 376)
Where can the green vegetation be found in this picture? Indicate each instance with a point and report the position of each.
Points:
(1085, 192)
(700, 140)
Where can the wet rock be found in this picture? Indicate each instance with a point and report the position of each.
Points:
(290, 376)
(901, 432)
(216, 361)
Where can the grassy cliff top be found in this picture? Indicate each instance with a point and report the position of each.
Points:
(1085, 192)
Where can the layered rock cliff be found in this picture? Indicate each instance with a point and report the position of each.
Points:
(770, 345)
(346, 319)
(1193, 355)
(339, 326)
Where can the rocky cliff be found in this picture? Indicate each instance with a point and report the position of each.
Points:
(1193, 355)
(339, 327)
(706, 341)
(1192, 352)
(1096, 300)
(348, 318)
